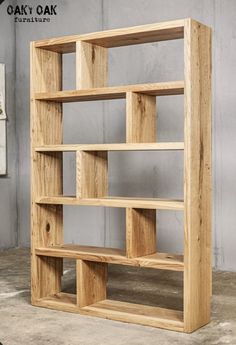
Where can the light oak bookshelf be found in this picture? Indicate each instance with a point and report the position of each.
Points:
(48, 249)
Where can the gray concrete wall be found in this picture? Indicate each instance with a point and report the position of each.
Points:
(149, 174)
(8, 208)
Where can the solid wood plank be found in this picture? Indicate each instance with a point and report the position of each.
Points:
(91, 65)
(141, 126)
(91, 282)
(197, 186)
(165, 146)
(113, 92)
(141, 123)
(46, 128)
(118, 37)
(46, 71)
(92, 174)
(116, 310)
(149, 203)
(165, 261)
(137, 313)
(140, 232)
(59, 301)
(49, 279)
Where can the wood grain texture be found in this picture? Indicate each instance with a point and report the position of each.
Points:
(120, 311)
(140, 232)
(197, 176)
(162, 146)
(91, 282)
(118, 37)
(112, 92)
(149, 203)
(92, 174)
(46, 71)
(46, 171)
(59, 301)
(49, 275)
(91, 66)
(141, 122)
(137, 313)
(165, 261)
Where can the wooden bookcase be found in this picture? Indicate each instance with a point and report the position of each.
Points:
(48, 249)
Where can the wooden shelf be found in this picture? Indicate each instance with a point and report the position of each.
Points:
(164, 146)
(161, 204)
(165, 261)
(113, 92)
(137, 313)
(117, 37)
(117, 310)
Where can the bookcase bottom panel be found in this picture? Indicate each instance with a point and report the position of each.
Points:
(119, 311)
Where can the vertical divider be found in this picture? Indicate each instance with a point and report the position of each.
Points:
(91, 282)
(141, 118)
(91, 65)
(197, 179)
(92, 174)
(141, 127)
(140, 232)
(46, 128)
(92, 170)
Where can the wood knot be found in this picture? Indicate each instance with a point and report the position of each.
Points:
(47, 227)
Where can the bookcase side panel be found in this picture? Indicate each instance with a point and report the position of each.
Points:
(197, 176)
(46, 172)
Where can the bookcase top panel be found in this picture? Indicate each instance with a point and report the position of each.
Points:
(118, 37)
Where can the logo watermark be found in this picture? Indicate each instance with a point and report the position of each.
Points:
(31, 14)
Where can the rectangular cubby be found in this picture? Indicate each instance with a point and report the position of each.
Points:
(143, 133)
(92, 226)
(125, 68)
(148, 174)
(139, 248)
(145, 286)
(84, 122)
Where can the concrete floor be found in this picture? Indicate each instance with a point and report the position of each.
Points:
(20, 323)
